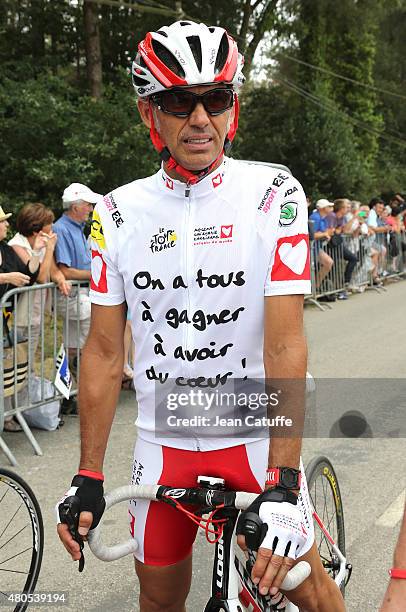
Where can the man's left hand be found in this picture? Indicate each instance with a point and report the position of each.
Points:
(285, 537)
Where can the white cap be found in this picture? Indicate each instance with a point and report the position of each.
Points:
(323, 203)
(77, 191)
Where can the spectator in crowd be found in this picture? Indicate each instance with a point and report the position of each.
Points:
(15, 273)
(397, 220)
(371, 255)
(72, 256)
(381, 230)
(322, 235)
(393, 239)
(337, 246)
(36, 220)
(352, 215)
(398, 205)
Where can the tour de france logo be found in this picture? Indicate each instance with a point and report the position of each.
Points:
(96, 232)
(163, 240)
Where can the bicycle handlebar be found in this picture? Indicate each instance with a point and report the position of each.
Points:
(239, 500)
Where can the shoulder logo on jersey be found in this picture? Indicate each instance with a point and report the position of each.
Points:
(111, 206)
(288, 213)
(289, 191)
(271, 192)
(163, 240)
(291, 259)
(217, 180)
(267, 200)
(98, 281)
(96, 232)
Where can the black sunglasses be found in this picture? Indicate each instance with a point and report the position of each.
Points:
(181, 103)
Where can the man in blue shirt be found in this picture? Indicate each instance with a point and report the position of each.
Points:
(322, 235)
(73, 258)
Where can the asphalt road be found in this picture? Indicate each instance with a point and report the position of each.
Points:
(364, 337)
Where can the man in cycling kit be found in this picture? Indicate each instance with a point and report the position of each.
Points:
(211, 256)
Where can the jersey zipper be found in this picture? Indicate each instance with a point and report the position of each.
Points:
(188, 265)
(188, 335)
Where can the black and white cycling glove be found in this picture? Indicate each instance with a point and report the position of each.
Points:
(274, 521)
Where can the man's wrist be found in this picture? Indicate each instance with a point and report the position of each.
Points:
(96, 475)
(397, 573)
(283, 476)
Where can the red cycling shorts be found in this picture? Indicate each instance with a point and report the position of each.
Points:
(165, 536)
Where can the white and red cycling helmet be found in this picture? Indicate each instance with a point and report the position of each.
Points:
(186, 54)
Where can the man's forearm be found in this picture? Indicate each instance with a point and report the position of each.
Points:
(74, 273)
(399, 560)
(287, 365)
(100, 382)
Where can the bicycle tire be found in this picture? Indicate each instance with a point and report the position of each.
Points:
(30, 502)
(320, 469)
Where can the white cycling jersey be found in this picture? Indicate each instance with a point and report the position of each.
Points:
(193, 264)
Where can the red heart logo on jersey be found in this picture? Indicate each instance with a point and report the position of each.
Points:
(98, 281)
(226, 231)
(292, 260)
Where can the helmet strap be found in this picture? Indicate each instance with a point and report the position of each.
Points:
(171, 162)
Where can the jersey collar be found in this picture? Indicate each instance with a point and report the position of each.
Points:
(213, 182)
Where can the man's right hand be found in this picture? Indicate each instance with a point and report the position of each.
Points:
(64, 287)
(80, 509)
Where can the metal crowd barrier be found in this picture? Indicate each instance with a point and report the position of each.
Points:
(37, 324)
(394, 259)
(333, 281)
(387, 250)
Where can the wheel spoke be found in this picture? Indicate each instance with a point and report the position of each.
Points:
(16, 555)
(2, 569)
(14, 536)
(12, 518)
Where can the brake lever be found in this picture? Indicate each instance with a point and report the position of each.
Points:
(69, 511)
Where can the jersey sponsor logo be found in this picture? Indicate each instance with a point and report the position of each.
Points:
(279, 180)
(111, 206)
(163, 240)
(289, 192)
(212, 234)
(288, 213)
(96, 232)
(291, 259)
(98, 280)
(217, 180)
(169, 183)
(267, 200)
(226, 231)
(137, 472)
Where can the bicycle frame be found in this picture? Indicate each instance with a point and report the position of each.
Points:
(231, 583)
(232, 586)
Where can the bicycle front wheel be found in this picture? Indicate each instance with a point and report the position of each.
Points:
(21, 540)
(326, 500)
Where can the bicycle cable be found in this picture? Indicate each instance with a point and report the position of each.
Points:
(217, 524)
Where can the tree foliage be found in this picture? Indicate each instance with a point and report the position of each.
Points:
(338, 137)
